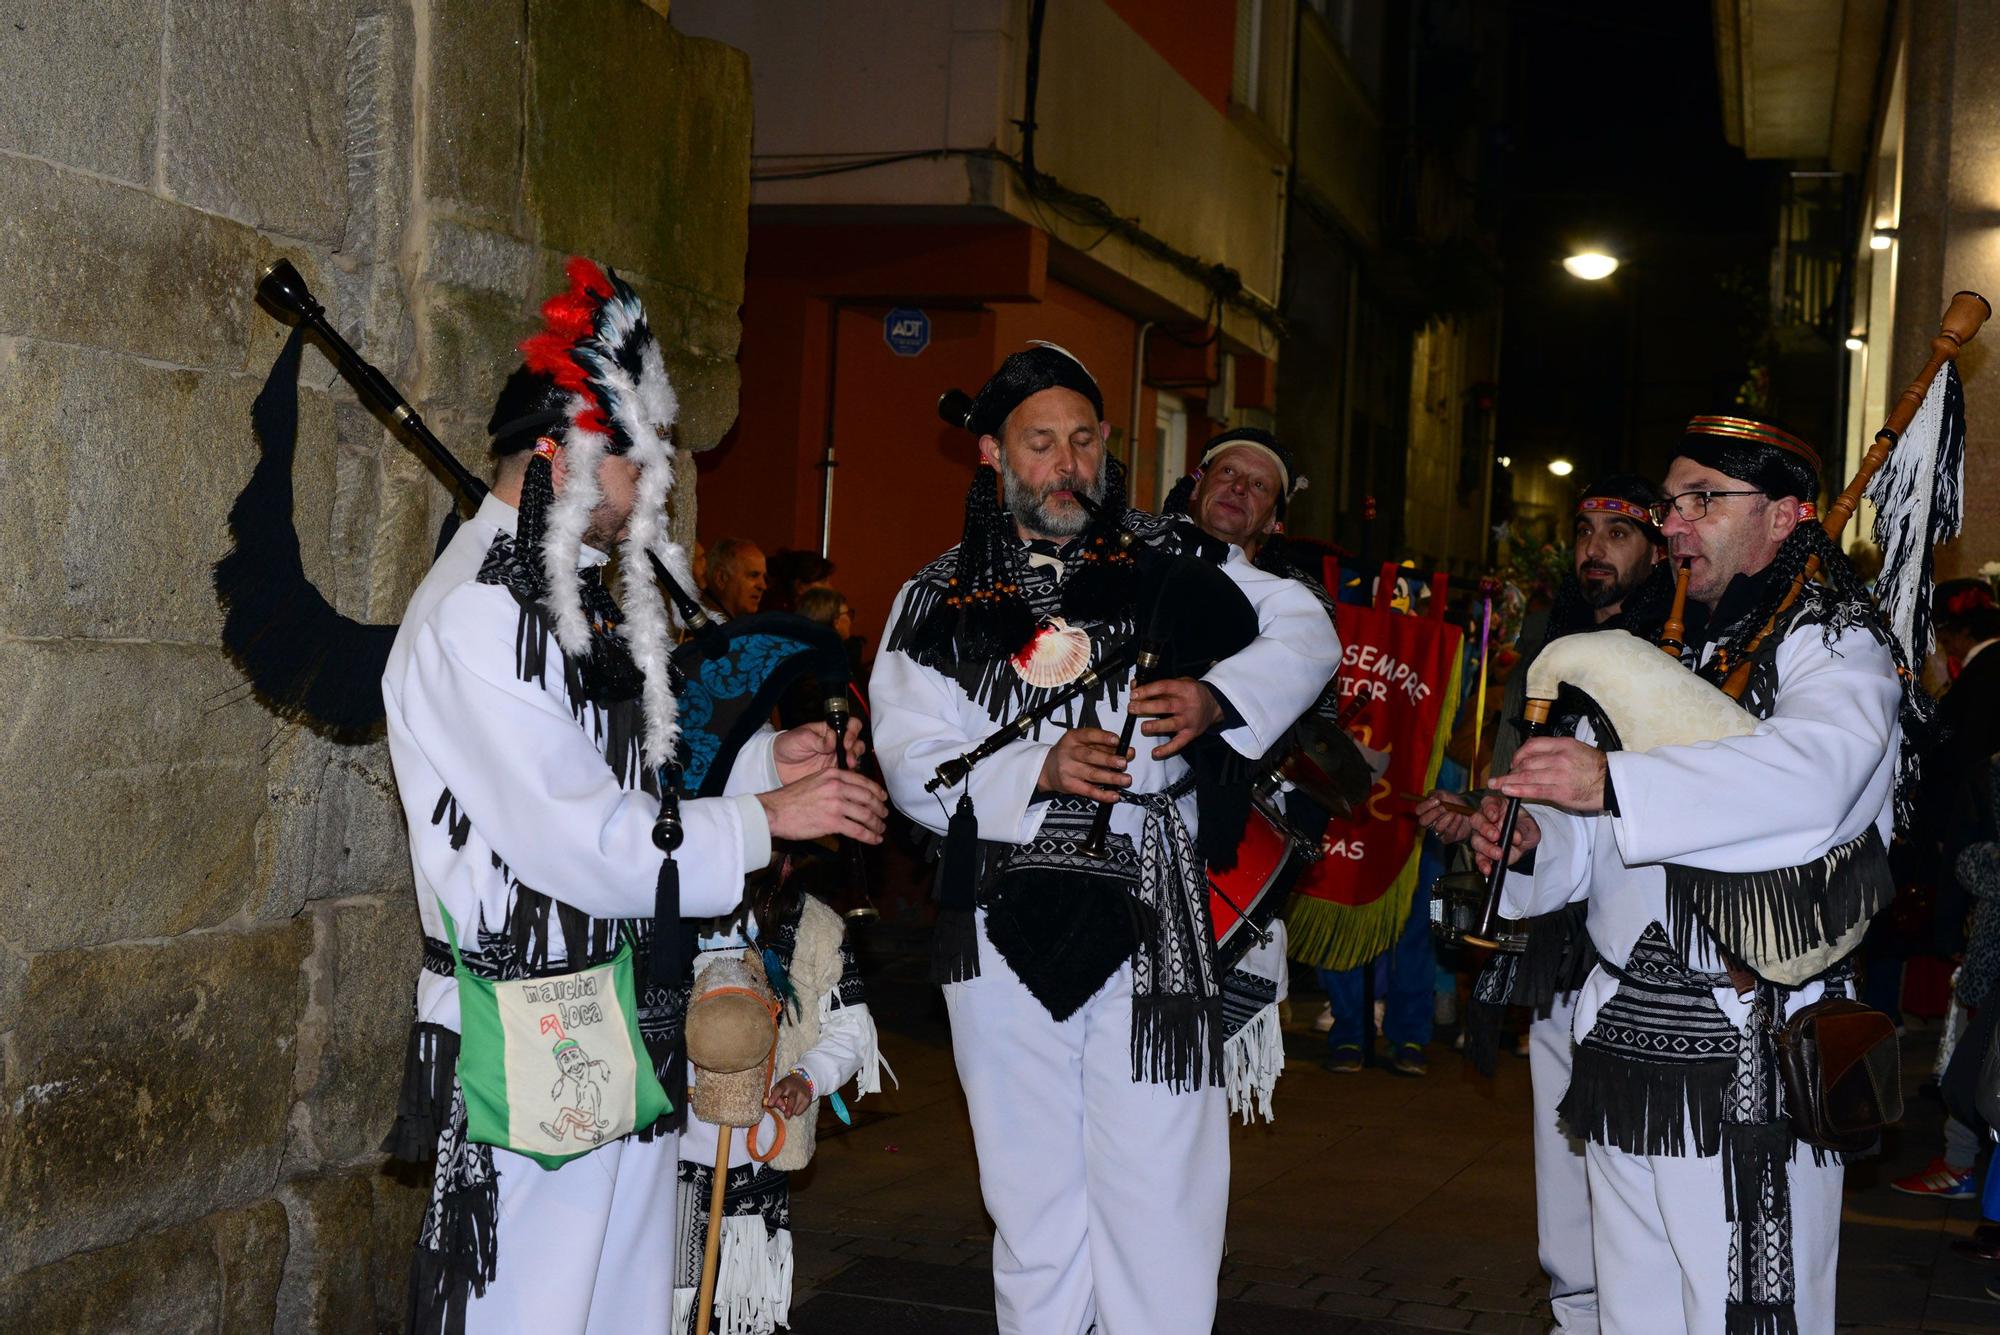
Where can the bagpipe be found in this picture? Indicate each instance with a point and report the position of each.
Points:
(309, 663)
(1639, 698)
(1190, 615)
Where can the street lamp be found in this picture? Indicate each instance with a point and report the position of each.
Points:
(1561, 467)
(1590, 265)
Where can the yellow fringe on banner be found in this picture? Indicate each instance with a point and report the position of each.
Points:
(1327, 935)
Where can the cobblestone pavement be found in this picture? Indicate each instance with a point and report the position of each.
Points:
(1374, 1203)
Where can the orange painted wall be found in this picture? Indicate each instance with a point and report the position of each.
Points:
(899, 492)
(760, 482)
(899, 495)
(1197, 37)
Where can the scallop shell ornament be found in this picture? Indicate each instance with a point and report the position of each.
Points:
(1057, 655)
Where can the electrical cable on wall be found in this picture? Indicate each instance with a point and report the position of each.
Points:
(1222, 282)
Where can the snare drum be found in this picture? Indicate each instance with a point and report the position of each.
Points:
(1244, 901)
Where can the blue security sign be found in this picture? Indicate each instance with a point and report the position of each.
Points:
(907, 331)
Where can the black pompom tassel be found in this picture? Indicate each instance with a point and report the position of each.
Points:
(1104, 583)
(982, 616)
(955, 947)
(666, 963)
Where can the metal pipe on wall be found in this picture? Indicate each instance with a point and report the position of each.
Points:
(1138, 394)
(827, 461)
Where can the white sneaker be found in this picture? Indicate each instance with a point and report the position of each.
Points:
(1323, 1022)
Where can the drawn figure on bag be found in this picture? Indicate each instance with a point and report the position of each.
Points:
(577, 1093)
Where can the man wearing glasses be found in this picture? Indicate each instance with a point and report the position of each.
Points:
(1691, 855)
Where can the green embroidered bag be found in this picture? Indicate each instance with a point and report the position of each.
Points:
(553, 1067)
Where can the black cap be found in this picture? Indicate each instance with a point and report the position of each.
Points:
(1768, 457)
(1028, 372)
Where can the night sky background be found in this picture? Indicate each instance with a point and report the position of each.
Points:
(1613, 141)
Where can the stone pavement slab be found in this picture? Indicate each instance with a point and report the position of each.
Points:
(1373, 1204)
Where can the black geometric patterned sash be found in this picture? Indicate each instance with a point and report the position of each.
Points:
(1663, 1066)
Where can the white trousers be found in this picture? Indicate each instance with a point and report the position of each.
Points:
(1562, 1190)
(1108, 1197)
(1662, 1242)
(586, 1248)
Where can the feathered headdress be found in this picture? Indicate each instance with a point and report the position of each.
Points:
(596, 347)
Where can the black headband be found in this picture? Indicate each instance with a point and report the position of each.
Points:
(526, 429)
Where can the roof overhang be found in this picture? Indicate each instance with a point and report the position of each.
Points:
(1799, 76)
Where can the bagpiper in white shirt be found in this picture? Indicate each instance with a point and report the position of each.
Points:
(1766, 848)
(1088, 1047)
(529, 717)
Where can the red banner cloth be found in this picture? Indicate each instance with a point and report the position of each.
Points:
(1399, 683)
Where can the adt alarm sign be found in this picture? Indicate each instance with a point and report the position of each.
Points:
(907, 330)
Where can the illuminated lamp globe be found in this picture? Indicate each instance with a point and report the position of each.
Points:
(1561, 467)
(1590, 266)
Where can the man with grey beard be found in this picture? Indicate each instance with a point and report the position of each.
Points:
(1084, 992)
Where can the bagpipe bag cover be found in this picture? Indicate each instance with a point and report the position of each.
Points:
(1648, 696)
(1651, 701)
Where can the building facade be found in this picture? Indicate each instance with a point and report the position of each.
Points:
(1890, 101)
(1389, 376)
(935, 185)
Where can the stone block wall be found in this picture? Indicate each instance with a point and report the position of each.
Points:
(207, 933)
(1948, 238)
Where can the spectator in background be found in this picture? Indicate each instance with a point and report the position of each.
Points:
(805, 700)
(1953, 816)
(1967, 735)
(1967, 623)
(735, 583)
(1978, 869)
(791, 574)
(827, 607)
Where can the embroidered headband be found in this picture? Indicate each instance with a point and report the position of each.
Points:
(1613, 505)
(1761, 433)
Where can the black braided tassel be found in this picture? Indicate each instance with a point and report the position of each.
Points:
(983, 615)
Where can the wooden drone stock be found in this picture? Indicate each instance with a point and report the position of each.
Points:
(1673, 631)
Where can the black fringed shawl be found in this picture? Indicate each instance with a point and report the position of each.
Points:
(1787, 910)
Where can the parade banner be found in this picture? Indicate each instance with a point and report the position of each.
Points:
(1399, 683)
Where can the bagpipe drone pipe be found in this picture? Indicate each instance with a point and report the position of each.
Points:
(1638, 698)
(309, 663)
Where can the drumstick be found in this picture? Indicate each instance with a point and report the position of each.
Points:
(704, 1303)
(1445, 800)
